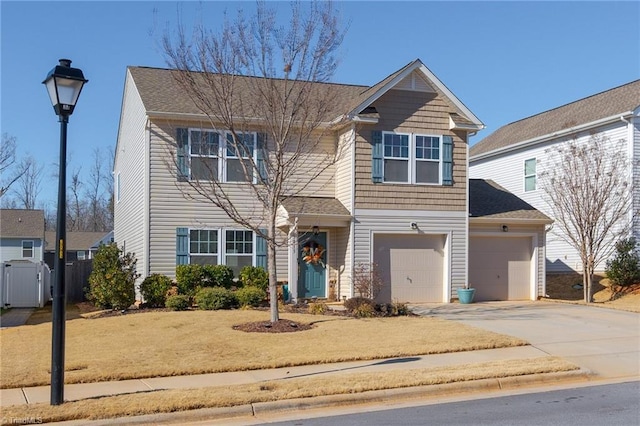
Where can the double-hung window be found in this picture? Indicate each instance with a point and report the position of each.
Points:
(204, 150)
(530, 175)
(412, 158)
(396, 157)
(238, 249)
(239, 157)
(203, 246)
(27, 248)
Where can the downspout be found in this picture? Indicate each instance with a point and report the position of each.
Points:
(147, 215)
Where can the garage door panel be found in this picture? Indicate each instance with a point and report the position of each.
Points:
(411, 267)
(500, 267)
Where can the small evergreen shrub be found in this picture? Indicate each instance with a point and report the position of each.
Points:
(154, 289)
(318, 308)
(218, 276)
(624, 268)
(215, 298)
(254, 276)
(112, 281)
(251, 296)
(355, 302)
(177, 302)
(189, 278)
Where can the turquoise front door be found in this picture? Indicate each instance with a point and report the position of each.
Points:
(312, 271)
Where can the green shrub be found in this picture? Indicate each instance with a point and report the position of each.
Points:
(112, 281)
(364, 310)
(189, 278)
(251, 296)
(154, 289)
(177, 302)
(355, 302)
(317, 308)
(624, 268)
(218, 276)
(254, 276)
(214, 298)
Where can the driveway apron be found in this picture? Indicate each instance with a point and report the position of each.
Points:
(602, 340)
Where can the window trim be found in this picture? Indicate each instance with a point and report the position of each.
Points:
(117, 187)
(533, 175)
(222, 245)
(413, 160)
(33, 249)
(223, 155)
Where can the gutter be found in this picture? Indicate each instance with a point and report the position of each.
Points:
(550, 136)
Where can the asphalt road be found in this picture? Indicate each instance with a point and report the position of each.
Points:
(613, 404)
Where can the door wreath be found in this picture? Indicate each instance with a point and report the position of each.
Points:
(312, 253)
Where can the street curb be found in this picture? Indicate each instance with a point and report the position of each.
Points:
(341, 400)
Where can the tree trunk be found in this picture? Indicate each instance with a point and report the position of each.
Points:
(273, 276)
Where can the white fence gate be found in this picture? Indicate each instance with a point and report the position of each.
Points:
(24, 284)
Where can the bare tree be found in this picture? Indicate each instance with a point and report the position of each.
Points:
(588, 191)
(75, 211)
(29, 182)
(256, 76)
(10, 173)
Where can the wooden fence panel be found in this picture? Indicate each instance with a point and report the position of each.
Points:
(77, 279)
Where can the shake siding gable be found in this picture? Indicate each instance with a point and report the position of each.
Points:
(410, 112)
(131, 162)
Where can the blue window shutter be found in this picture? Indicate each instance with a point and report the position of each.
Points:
(182, 154)
(182, 246)
(376, 156)
(261, 250)
(447, 160)
(260, 154)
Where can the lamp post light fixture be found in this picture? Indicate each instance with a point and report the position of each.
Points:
(64, 85)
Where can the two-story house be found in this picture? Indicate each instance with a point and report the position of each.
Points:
(398, 197)
(514, 155)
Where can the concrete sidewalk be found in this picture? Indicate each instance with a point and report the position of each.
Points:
(15, 317)
(41, 394)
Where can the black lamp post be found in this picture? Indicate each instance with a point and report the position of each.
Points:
(64, 85)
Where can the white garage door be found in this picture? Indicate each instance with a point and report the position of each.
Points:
(500, 267)
(411, 266)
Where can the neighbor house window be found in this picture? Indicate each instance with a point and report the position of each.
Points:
(410, 158)
(218, 156)
(238, 249)
(530, 175)
(203, 246)
(27, 249)
(81, 255)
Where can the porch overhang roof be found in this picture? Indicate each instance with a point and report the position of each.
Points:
(309, 211)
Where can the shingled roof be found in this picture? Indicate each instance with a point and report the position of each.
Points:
(76, 240)
(317, 206)
(610, 103)
(161, 94)
(18, 223)
(488, 200)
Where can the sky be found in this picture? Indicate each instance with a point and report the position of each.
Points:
(504, 60)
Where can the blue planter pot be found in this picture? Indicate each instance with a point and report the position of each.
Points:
(465, 295)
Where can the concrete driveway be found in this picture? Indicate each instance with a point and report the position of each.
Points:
(602, 340)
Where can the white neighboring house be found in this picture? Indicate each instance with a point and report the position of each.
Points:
(514, 154)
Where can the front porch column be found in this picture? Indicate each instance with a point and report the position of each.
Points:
(293, 261)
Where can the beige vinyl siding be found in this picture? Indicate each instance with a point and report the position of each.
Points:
(635, 132)
(410, 112)
(536, 231)
(452, 224)
(131, 162)
(170, 209)
(344, 169)
(303, 183)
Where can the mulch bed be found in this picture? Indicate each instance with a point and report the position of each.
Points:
(280, 326)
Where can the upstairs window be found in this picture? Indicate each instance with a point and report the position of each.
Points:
(412, 158)
(530, 175)
(238, 153)
(204, 148)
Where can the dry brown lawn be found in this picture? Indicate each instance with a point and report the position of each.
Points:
(560, 288)
(176, 343)
(227, 396)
